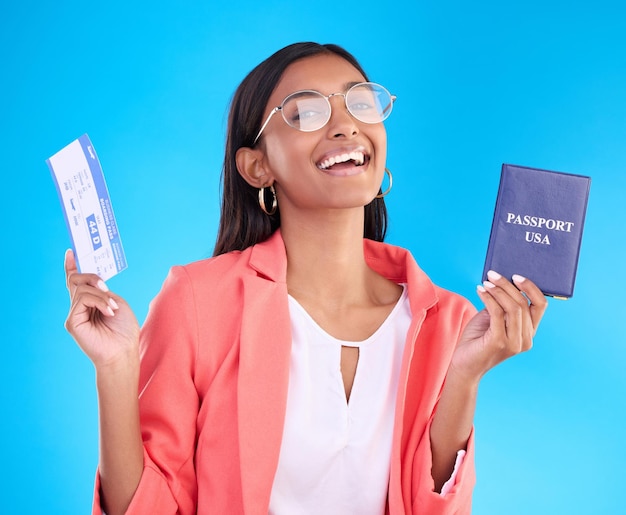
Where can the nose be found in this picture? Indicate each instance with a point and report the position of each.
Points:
(341, 123)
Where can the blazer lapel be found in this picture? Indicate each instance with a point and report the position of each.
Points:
(263, 372)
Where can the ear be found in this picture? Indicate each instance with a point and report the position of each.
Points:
(251, 166)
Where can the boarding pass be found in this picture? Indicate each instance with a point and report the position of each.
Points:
(87, 208)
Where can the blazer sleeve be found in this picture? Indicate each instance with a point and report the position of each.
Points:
(168, 402)
(458, 500)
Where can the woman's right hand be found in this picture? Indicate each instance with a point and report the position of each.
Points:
(101, 322)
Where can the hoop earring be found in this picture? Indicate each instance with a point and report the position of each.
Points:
(381, 195)
(272, 210)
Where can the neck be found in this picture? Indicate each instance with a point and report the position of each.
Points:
(325, 255)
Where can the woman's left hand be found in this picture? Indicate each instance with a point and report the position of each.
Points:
(503, 329)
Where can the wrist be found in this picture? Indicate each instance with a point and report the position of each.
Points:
(118, 369)
(463, 379)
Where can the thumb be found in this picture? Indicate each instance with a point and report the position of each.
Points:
(70, 266)
(70, 262)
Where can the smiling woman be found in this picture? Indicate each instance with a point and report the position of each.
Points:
(307, 366)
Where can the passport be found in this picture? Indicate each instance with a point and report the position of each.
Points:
(537, 227)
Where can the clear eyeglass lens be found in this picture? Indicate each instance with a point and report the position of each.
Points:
(369, 102)
(306, 110)
(310, 110)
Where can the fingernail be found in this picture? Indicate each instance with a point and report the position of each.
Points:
(113, 304)
(518, 278)
(488, 284)
(480, 288)
(102, 285)
(110, 311)
(493, 275)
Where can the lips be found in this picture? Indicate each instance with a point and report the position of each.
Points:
(343, 161)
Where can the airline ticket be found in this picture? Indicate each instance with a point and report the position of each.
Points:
(87, 208)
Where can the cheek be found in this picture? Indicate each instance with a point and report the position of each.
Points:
(379, 139)
(285, 154)
(383, 140)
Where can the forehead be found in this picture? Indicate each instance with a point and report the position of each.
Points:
(324, 73)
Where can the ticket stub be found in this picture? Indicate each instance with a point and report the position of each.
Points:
(87, 208)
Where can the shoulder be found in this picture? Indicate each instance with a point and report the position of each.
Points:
(201, 280)
(213, 268)
(398, 264)
(454, 301)
(267, 259)
(223, 276)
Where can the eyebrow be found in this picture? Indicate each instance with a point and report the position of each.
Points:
(348, 85)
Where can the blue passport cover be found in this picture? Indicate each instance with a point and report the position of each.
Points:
(538, 226)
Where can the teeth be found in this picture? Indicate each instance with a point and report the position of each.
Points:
(357, 156)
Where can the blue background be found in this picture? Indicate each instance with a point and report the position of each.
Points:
(534, 83)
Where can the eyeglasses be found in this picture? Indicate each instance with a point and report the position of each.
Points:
(309, 110)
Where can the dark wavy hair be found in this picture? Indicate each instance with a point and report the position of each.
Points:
(242, 223)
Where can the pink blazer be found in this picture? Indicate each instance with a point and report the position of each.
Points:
(215, 352)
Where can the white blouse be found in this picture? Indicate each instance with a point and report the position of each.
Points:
(335, 454)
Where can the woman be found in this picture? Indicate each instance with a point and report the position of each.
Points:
(304, 368)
